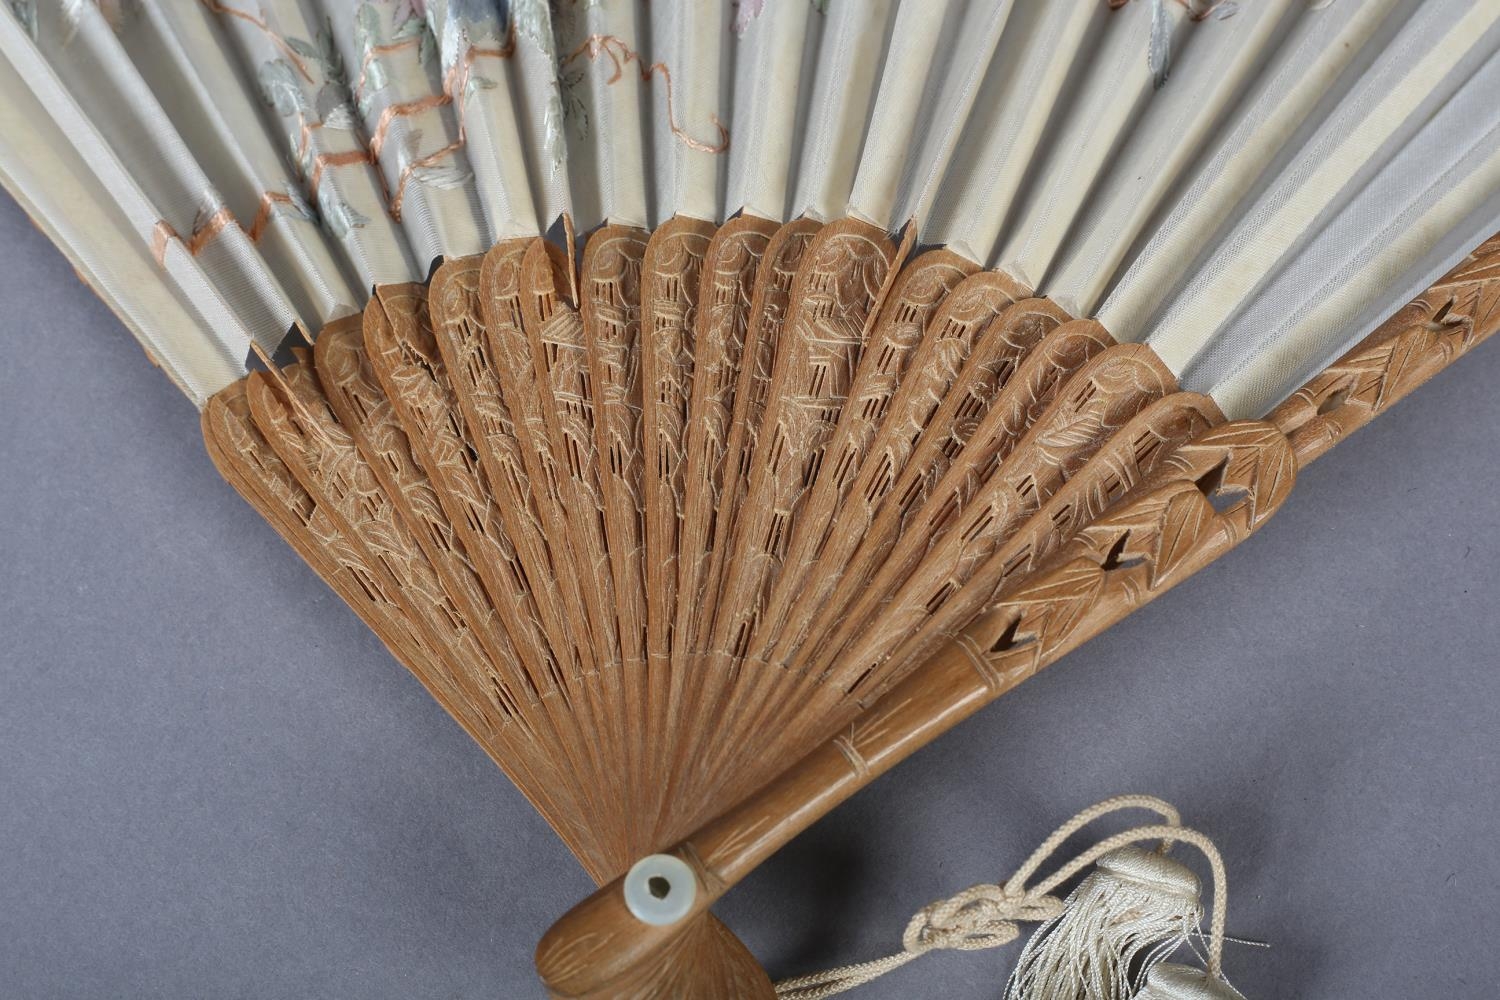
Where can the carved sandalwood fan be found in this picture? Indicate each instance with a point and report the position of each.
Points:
(711, 403)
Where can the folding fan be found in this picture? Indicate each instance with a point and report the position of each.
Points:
(712, 402)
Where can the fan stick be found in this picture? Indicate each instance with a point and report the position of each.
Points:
(554, 329)
(295, 419)
(402, 354)
(502, 289)
(914, 295)
(345, 371)
(250, 465)
(897, 341)
(357, 400)
(448, 397)
(1125, 460)
(1090, 407)
(609, 303)
(290, 413)
(670, 279)
(1120, 562)
(1022, 400)
(946, 465)
(974, 350)
(834, 297)
(730, 266)
(845, 274)
(770, 306)
(1159, 536)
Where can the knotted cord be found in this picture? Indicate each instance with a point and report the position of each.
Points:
(989, 915)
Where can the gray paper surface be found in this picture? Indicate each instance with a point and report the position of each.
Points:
(214, 782)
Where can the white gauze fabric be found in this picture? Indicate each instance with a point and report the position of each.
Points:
(909, 69)
(1434, 201)
(1037, 51)
(395, 80)
(964, 57)
(1437, 48)
(290, 55)
(601, 68)
(1320, 48)
(180, 53)
(76, 70)
(1208, 71)
(690, 104)
(42, 171)
(477, 46)
(1077, 150)
(846, 71)
(771, 42)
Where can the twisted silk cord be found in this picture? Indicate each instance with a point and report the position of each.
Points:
(988, 916)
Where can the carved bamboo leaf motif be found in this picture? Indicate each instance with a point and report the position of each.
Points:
(1459, 311)
(835, 292)
(964, 526)
(899, 337)
(819, 557)
(1164, 531)
(1126, 459)
(986, 411)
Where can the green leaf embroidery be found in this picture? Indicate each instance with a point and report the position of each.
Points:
(278, 84)
(369, 31)
(304, 49)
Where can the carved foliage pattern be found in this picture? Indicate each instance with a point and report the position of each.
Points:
(1460, 311)
(836, 288)
(610, 294)
(652, 546)
(669, 302)
(899, 345)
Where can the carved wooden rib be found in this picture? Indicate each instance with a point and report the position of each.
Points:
(1164, 531)
(1460, 311)
(671, 274)
(882, 494)
(1143, 543)
(985, 413)
(877, 445)
(769, 308)
(610, 305)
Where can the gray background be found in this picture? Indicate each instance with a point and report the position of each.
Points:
(215, 783)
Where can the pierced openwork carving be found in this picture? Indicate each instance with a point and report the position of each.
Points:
(1460, 311)
(696, 556)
